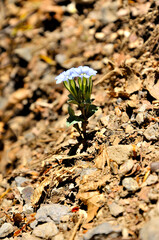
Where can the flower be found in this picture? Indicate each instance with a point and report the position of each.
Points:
(81, 71)
(85, 71)
(66, 75)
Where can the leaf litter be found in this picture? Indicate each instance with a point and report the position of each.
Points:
(41, 39)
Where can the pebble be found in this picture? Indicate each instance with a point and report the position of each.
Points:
(28, 236)
(120, 153)
(150, 230)
(115, 209)
(58, 237)
(46, 230)
(154, 166)
(130, 184)
(151, 133)
(102, 230)
(140, 118)
(27, 208)
(152, 179)
(24, 53)
(6, 229)
(20, 180)
(50, 212)
(126, 167)
(109, 12)
(27, 193)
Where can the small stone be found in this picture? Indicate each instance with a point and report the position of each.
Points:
(152, 179)
(152, 132)
(130, 184)
(6, 229)
(108, 49)
(115, 209)
(46, 230)
(24, 53)
(129, 129)
(58, 237)
(100, 35)
(126, 167)
(27, 208)
(154, 166)
(120, 153)
(27, 193)
(109, 12)
(49, 212)
(28, 236)
(102, 230)
(20, 180)
(140, 118)
(150, 230)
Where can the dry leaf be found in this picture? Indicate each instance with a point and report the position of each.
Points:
(133, 83)
(152, 84)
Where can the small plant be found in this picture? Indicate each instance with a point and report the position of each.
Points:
(78, 81)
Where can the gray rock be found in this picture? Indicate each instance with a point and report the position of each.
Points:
(154, 166)
(150, 231)
(130, 184)
(152, 179)
(46, 230)
(27, 192)
(120, 153)
(103, 229)
(50, 212)
(6, 229)
(115, 209)
(20, 180)
(152, 132)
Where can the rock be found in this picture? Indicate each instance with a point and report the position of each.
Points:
(102, 230)
(109, 12)
(152, 179)
(58, 237)
(100, 35)
(20, 180)
(126, 167)
(27, 192)
(150, 230)
(154, 166)
(46, 230)
(27, 208)
(28, 236)
(6, 229)
(140, 118)
(108, 49)
(115, 209)
(152, 132)
(50, 212)
(120, 153)
(130, 184)
(24, 53)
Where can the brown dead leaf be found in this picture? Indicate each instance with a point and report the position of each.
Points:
(152, 84)
(133, 83)
(93, 200)
(101, 158)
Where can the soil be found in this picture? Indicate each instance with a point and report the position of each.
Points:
(118, 163)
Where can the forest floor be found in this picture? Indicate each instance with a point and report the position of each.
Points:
(51, 185)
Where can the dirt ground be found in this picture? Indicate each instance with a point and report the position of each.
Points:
(113, 178)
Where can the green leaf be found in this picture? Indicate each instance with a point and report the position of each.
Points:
(91, 110)
(71, 111)
(73, 120)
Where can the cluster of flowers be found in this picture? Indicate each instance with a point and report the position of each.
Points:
(81, 71)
